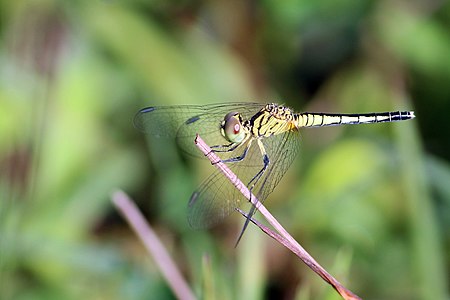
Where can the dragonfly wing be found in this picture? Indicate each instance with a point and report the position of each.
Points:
(183, 122)
(217, 197)
(282, 150)
(214, 200)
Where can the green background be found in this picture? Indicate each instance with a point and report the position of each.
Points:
(371, 203)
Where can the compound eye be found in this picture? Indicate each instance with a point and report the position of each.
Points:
(232, 128)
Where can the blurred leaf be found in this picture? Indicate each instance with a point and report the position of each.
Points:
(160, 62)
(73, 74)
(427, 254)
(414, 37)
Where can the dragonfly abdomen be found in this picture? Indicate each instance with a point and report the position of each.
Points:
(323, 119)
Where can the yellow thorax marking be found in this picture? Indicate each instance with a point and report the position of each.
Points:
(274, 119)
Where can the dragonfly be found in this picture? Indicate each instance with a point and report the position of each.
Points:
(258, 142)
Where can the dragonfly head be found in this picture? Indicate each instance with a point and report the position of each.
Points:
(232, 129)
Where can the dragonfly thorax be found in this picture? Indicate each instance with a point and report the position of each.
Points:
(272, 119)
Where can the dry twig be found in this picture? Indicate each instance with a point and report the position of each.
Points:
(153, 245)
(282, 236)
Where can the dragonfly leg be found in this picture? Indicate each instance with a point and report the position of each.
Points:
(237, 158)
(240, 157)
(251, 185)
(229, 147)
(224, 148)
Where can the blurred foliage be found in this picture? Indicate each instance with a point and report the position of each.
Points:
(370, 203)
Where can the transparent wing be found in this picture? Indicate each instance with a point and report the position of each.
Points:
(216, 198)
(282, 150)
(185, 121)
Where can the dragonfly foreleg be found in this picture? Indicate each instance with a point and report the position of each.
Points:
(225, 148)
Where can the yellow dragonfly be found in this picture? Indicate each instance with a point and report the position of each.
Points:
(259, 142)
